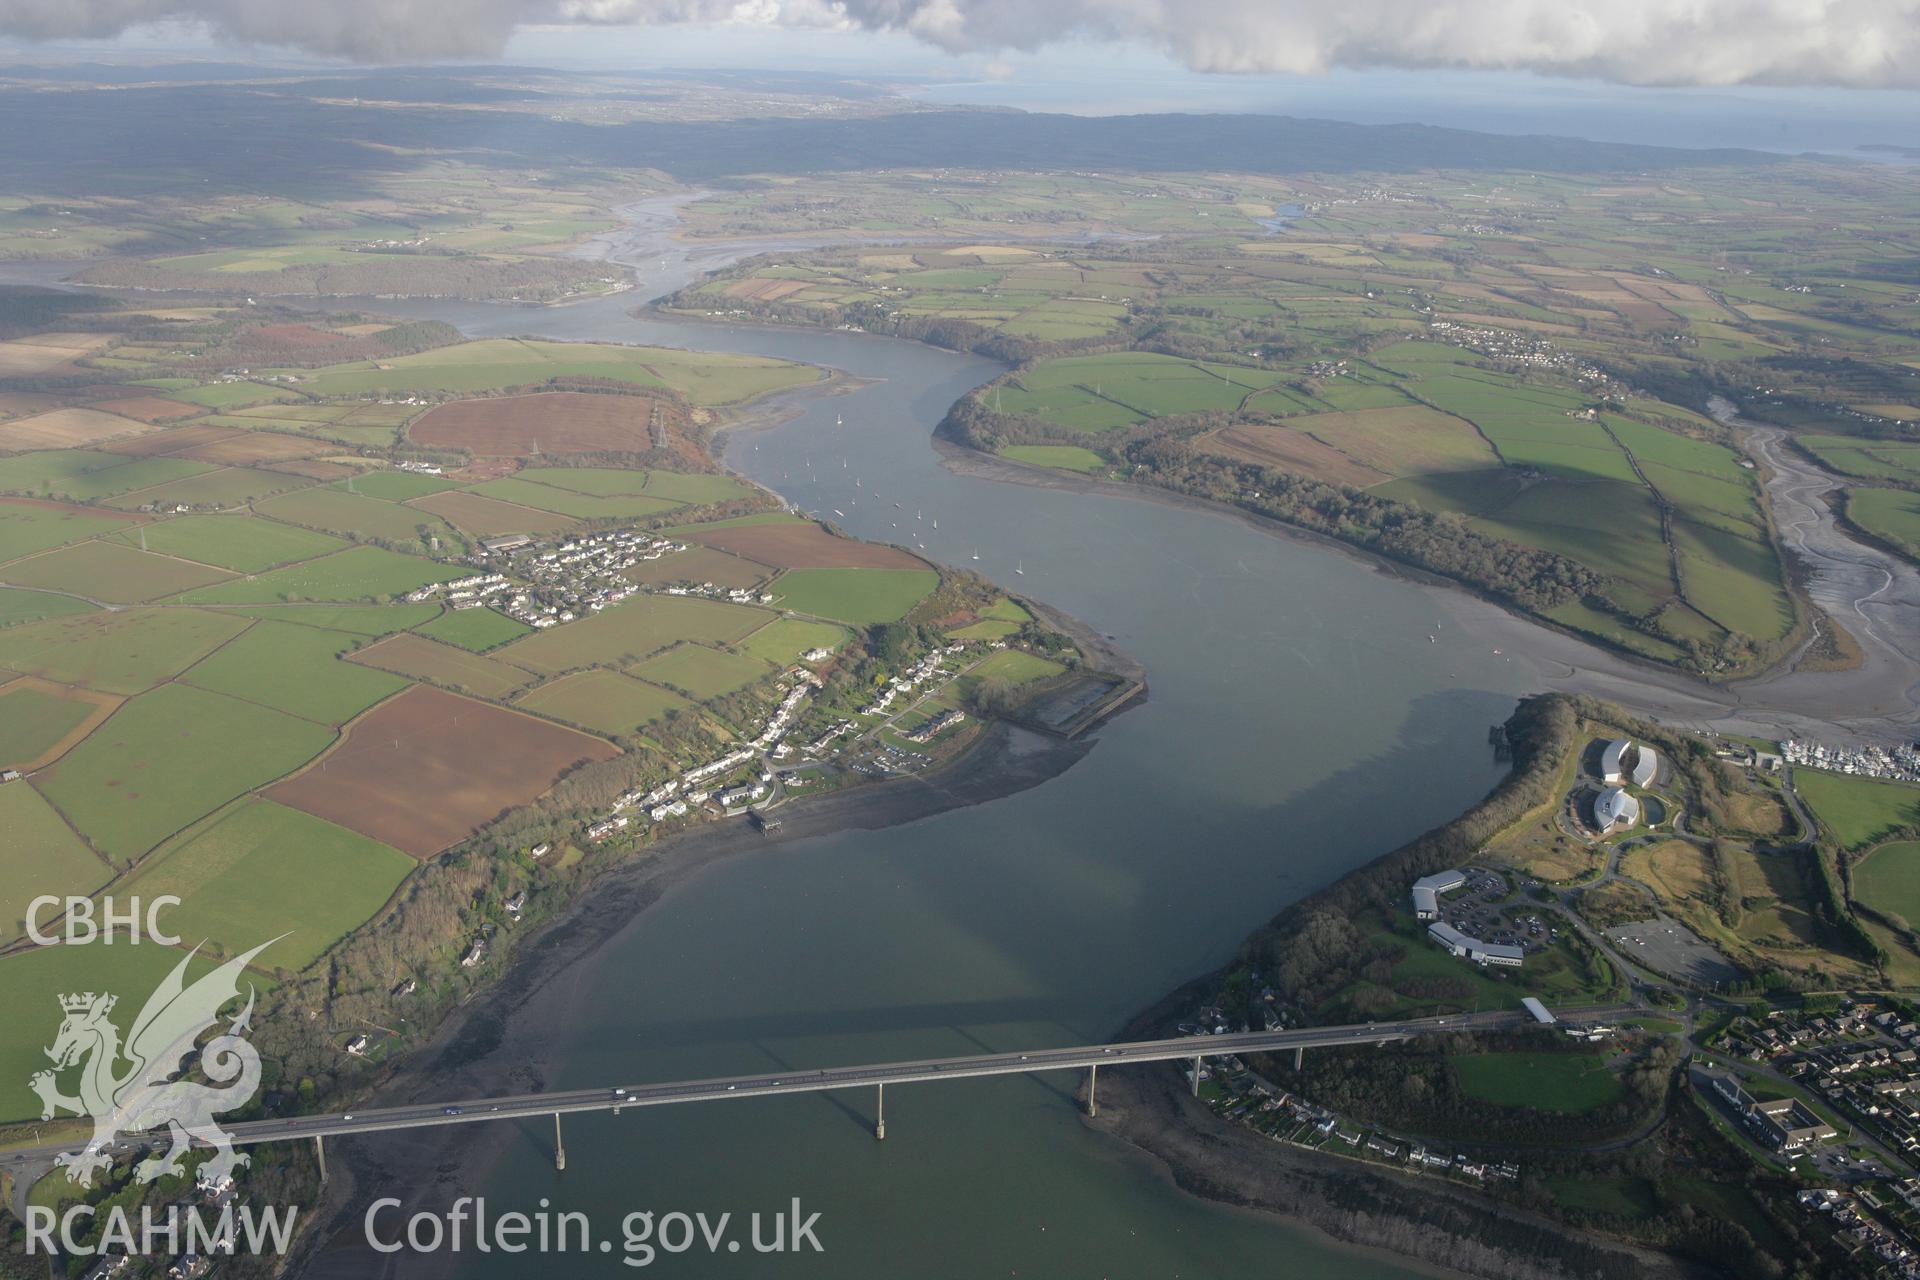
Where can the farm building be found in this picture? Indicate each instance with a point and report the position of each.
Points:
(1615, 810)
(1427, 891)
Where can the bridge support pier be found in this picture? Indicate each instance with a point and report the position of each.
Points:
(880, 1113)
(1299, 1056)
(320, 1154)
(1196, 1077)
(559, 1147)
(1093, 1081)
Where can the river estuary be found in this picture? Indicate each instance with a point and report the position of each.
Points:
(1308, 712)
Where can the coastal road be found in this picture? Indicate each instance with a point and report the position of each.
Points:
(475, 1110)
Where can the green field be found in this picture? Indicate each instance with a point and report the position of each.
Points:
(635, 629)
(257, 870)
(1856, 810)
(1570, 1083)
(567, 502)
(1118, 389)
(225, 395)
(40, 855)
(356, 619)
(603, 701)
(1888, 880)
(1016, 667)
(394, 486)
(987, 629)
(168, 758)
(353, 515)
(18, 606)
(700, 672)
(358, 573)
(85, 475)
(32, 720)
(784, 639)
(244, 544)
(27, 527)
(31, 984)
(476, 629)
(225, 488)
(668, 486)
(858, 596)
(758, 517)
(1892, 515)
(297, 670)
(122, 652)
(108, 571)
(1065, 457)
(1866, 457)
(495, 363)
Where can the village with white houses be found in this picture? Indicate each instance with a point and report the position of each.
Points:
(755, 777)
(548, 584)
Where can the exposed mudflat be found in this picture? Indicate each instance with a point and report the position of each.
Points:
(1873, 593)
(501, 1041)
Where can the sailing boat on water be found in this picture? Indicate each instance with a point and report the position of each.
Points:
(1019, 567)
(976, 555)
(838, 421)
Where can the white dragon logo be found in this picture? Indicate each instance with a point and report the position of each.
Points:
(140, 1098)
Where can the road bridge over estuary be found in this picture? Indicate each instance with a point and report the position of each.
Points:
(877, 1076)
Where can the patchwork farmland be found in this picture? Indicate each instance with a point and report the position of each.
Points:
(256, 653)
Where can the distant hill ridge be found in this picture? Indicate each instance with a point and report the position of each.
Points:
(148, 137)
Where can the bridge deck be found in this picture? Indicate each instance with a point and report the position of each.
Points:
(765, 1084)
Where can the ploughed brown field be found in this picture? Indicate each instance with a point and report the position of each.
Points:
(24, 404)
(803, 546)
(149, 408)
(258, 446)
(67, 429)
(428, 768)
(549, 422)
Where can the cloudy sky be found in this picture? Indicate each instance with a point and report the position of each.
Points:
(1785, 73)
